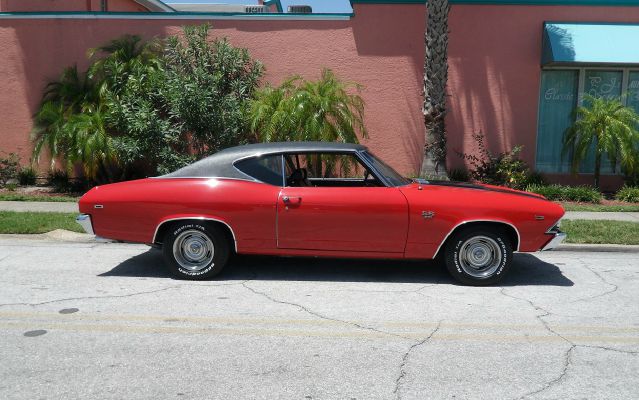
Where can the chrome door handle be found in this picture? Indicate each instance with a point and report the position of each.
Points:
(291, 199)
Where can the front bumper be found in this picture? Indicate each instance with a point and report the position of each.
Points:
(85, 222)
(555, 241)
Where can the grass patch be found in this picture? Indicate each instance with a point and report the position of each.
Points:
(601, 207)
(34, 197)
(601, 232)
(37, 222)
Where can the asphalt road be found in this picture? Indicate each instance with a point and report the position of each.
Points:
(84, 321)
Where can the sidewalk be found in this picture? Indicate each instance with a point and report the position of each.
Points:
(39, 206)
(614, 216)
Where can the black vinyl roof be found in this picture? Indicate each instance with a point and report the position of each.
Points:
(220, 164)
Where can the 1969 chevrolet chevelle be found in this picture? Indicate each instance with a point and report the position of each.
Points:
(319, 199)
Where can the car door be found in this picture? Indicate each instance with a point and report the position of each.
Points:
(342, 211)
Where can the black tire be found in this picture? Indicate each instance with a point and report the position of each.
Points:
(195, 250)
(478, 256)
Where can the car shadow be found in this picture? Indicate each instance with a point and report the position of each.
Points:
(527, 270)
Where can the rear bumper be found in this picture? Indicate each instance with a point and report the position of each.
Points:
(85, 222)
(558, 238)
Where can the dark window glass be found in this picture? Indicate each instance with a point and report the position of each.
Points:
(267, 169)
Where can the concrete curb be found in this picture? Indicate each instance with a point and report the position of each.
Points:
(603, 248)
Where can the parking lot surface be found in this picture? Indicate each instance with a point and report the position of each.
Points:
(87, 320)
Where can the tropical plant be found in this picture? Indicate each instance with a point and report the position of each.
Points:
(582, 194)
(144, 108)
(435, 81)
(27, 176)
(628, 193)
(608, 128)
(324, 110)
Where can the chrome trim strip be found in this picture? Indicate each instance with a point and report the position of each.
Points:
(157, 228)
(479, 220)
(85, 222)
(556, 241)
(204, 177)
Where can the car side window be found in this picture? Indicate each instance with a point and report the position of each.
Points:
(327, 170)
(267, 169)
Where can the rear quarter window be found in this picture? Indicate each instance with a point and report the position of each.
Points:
(267, 169)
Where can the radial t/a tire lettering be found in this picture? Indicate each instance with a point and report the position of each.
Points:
(195, 250)
(479, 256)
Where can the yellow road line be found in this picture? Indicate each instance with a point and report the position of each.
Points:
(250, 331)
(315, 321)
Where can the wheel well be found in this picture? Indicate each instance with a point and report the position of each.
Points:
(509, 230)
(166, 226)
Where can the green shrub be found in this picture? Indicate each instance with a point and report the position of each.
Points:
(505, 169)
(582, 194)
(629, 194)
(59, 181)
(9, 167)
(27, 176)
(459, 175)
(551, 192)
(11, 187)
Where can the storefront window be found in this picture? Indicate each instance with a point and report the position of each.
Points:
(556, 103)
(561, 91)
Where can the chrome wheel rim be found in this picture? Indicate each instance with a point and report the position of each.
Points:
(193, 250)
(480, 256)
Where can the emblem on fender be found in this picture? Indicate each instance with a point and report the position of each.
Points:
(428, 214)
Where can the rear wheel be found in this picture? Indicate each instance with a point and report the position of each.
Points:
(479, 256)
(195, 250)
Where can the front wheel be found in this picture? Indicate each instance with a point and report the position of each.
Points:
(195, 250)
(479, 256)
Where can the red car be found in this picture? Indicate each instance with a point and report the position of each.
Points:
(319, 199)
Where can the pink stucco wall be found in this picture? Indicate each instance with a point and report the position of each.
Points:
(68, 5)
(494, 58)
(494, 67)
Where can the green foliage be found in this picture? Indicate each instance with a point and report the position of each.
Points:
(609, 127)
(499, 169)
(11, 187)
(628, 193)
(459, 175)
(584, 194)
(323, 110)
(27, 176)
(37, 222)
(60, 181)
(9, 167)
(144, 108)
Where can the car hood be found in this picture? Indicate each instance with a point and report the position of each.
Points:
(480, 186)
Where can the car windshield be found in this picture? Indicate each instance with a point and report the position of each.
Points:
(392, 176)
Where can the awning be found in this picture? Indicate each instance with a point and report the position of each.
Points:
(581, 43)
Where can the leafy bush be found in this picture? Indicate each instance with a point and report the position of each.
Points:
(144, 108)
(459, 175)
(584, 194)
(629, 194)
(498, 169)
(27, 176)
(59, 181)
(9, 167)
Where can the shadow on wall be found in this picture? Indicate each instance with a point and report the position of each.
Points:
(527, 270)
(481, 102)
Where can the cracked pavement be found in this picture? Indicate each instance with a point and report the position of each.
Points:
(87, 320)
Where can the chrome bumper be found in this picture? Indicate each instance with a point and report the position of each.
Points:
(556, 241)
(85, 222)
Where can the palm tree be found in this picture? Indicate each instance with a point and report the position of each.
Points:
(72, 120)
(610, 128)
(323, 110)
(435, 80)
